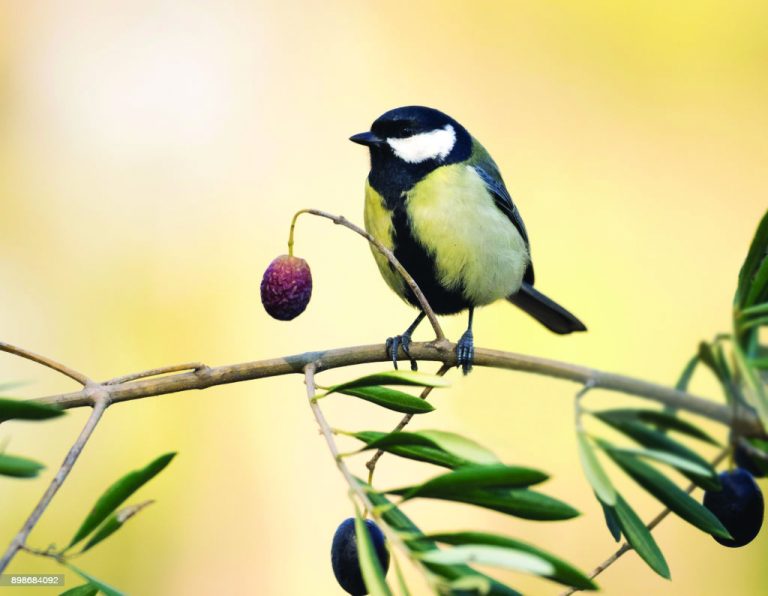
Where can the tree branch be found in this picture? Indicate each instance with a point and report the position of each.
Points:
(744, 423)
(45, 361)
(100, 402)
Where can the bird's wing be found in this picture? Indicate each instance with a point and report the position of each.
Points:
(503, 200)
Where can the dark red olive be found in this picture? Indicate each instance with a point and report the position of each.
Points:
(344, 557)
(286, 287)
(738, 505)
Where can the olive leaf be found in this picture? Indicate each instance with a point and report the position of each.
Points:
(19, 467)
(14, 409)
(113, 523)
(116, 494)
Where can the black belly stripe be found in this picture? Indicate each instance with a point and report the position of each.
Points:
(420, 264)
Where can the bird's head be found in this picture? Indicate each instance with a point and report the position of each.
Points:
(416, 137)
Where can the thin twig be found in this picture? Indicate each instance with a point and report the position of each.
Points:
(154, 372)
(45, 361)
(354, 485)
(651, 525)
(746, 423)
(100, 404)
(390, 256)
(371, 463)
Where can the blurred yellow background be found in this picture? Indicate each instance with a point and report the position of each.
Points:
(152, 154)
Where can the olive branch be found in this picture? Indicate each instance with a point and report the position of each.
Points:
(475, 476)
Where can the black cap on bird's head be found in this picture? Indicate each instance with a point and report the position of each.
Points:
(416, 137)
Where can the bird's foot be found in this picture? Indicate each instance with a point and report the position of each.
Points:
(400, 341)
(465, 352)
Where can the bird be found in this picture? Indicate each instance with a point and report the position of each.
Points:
(436, 199)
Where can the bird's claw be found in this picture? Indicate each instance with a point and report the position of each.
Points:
(465, 352)
(393, 344)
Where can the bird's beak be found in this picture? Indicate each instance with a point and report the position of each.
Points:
(367, 138)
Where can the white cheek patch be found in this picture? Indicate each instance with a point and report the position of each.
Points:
(435, 144)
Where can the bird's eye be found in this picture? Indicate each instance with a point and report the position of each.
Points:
(407, 131)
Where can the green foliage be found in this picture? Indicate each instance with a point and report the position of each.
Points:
(373, 574)
(474, 477)
(427, 451)
(102, 587)
(639, 537)
(594, 472)
(116, 494)
(651, 438)
(13, 409)
(392, 377)
(19, 467)
(113, 523)
(459, 447)
(561, 572)
(391, 399)
(677, 500)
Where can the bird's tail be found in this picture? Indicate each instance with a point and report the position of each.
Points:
(547, 312)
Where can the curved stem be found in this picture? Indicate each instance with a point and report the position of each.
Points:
(746, 423)
(390, 256)
(47, 362)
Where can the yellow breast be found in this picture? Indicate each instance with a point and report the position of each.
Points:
(378, 223)
(476, 248)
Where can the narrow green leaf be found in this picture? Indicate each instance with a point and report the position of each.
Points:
(687, 374)
(470, 585)
(640, 538)
(83, 590)
(106, 588)
(401, 585)
(496, 556)
(594, 472)
(431, 455)
(663, 457)
(400, 522)
(14, 409)
(523, 503)
(472, 478)
(373, 575)
(113, 523)
(610, 520)
(755, 257)
(757, 291)
(676, 499)
(393, 377)
(391, 399)
(19, 467)
(458, 446)
(653, 439)
(562, 572)
(461, 446)
(116, 494)
(663, 420)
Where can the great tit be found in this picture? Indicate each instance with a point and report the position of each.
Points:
(436, 199)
